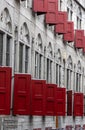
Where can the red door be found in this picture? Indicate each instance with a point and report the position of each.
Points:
(22, 84)
(5, 90)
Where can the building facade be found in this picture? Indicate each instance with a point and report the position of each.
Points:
(29, 45)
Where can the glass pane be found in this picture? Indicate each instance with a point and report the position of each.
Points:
(26, 59)
(8, 51)
(36, 64)
(40, 60)
(59, 75)
(47, 69)
(67, 78)
(77, 82)
(56, 73)
(20, 57)
(1, 48)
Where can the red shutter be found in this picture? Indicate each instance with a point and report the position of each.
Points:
(22, 84)
(84, 45)
(69, 36)
(40, 6)
(61, 101)
(5, 90)
(38, 97)
(84, 105)
(78, 104)
(52, 11)
(61, 26)
(79, 38)
(69, 102)
(51, 99)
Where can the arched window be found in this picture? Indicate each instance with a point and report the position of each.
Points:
(5, 38)
(70, 9)
(69, 72)
(78, 77)
(24, 49)
(79, 18)
(58, 68)
(38, 57)
(49, 62)
(63, 72)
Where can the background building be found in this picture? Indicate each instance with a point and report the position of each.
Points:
(29, 45)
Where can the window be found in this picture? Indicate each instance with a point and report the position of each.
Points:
(69, 78)
(60, 4)
(1, 48)
(58, 67)
(78, 78)
(39, 57)
(20, 57)
(58, 74)
(38, 63)
(70, 10)
(74, 77)
(79, 18)
(5, 38)
(78, 82)
(49, 70)
(69, 73)
(26, 58)
(8, 51)
(24, 48)
(63, 73)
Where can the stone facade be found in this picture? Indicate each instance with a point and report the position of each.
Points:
(27, 32)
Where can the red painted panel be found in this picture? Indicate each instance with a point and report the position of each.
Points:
(84, 45)
(40, 6)
(48, 128)
(79, 38)
(51, 99)
(69, 102)
(69, 127)
(77, 127)
(51, 15)
(61, 26)
(78, 104)
(22, 84)
(5, 90)
(84, 105)
(61, 101)
(84, 127)
(69, 36)
(38, 97)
